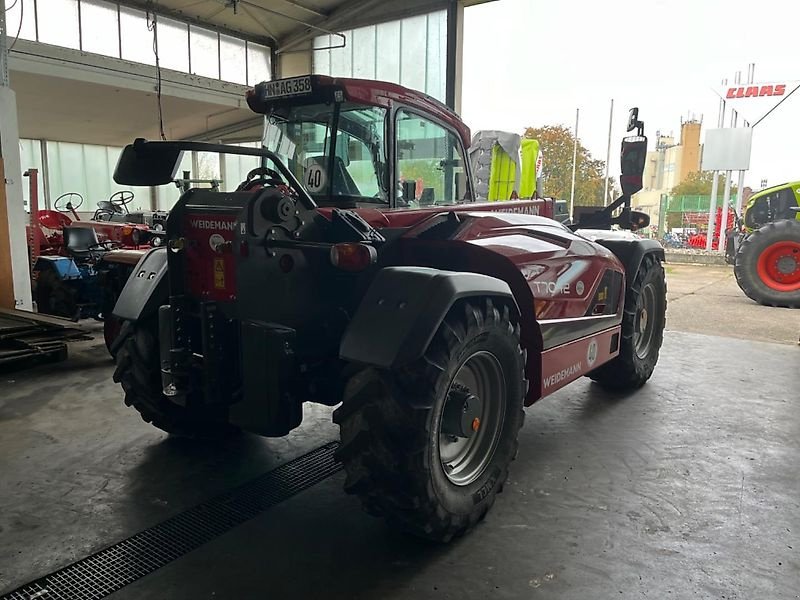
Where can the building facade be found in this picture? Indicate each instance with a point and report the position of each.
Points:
(668, 165)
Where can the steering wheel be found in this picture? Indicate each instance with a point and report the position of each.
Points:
(262, 176)
(64, 202)
(121, 198)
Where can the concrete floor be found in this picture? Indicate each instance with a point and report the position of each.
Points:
(688, 488)
(707, 300)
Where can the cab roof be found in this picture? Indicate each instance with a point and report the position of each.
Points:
(775, 188)
(362, 91)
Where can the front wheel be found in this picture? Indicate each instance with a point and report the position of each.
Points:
(642, 330)
(429, 447)
(767, 266)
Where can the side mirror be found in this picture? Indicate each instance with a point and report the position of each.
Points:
(639, 220)
(145, 164)
(632, 158)
(633, 118)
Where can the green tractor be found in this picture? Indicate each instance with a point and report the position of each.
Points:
(766, 249)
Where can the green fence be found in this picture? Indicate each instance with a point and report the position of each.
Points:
(692, 204)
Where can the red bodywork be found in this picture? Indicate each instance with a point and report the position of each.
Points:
(49, 238)
(555, 276)
(114, 232)
(210, 274)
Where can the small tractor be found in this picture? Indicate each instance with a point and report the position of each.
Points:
(354, 268)
(115, 210)
(112, 222)
(765, 249)
(76, 272)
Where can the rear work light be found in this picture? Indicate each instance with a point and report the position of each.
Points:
(353, 256)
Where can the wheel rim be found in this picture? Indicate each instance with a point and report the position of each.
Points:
(779, 266)
(645, 321)
(464, 459)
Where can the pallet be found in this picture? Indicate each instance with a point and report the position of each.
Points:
(26, 335)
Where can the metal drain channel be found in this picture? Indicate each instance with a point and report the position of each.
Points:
(108, 570)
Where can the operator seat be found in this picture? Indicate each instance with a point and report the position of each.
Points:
(79, 240)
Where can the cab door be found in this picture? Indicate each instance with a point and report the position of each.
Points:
(429, 160)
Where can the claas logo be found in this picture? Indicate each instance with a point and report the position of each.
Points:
(754, 91)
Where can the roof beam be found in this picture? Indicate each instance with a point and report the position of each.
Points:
(307, 9)
(359, 13)
(148, 5)
(225, 132)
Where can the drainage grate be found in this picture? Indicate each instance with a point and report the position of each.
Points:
(100, 574)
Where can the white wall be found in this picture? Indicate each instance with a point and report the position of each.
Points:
(411, 52)
(17, 218)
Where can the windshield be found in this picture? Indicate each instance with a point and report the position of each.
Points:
(348, 169)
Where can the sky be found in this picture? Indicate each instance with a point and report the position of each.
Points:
(533, 62)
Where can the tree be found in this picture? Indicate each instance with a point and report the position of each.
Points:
(699, 184)
(557, 143)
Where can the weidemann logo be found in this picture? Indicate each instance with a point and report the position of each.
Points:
(562, 375)
(204, 224)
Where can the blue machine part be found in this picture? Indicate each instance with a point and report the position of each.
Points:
(63, 265)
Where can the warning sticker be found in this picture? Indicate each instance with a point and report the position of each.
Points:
(219, 273)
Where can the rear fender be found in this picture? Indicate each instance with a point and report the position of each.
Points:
(403, 308)
(146, 288)
(451, 255)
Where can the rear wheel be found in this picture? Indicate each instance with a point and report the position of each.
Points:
(767, 265)
(429, 447)
(139, 372)
(642, 330)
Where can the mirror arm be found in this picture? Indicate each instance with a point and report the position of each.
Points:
(289, 177)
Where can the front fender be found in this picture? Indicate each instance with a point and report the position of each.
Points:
(631, 252)
(403, 308)
(146, 288)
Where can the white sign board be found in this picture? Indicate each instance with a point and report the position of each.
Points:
(727, 149)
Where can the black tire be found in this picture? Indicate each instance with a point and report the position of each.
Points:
(112, 327)
(746, 268)
(139, 372)
(638, 350)
(390, 426)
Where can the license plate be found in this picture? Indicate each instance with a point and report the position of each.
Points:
(296, 86)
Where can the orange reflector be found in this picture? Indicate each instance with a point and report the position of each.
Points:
(353, 256)
(476, 424)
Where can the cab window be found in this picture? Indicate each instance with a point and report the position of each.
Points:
(782, 204)
(430, 163)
